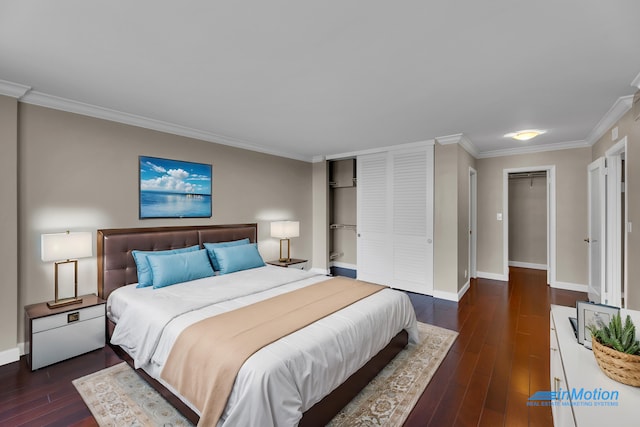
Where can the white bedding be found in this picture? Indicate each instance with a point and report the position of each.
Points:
(282, 380)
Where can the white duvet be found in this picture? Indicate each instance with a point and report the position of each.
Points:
(282, 380)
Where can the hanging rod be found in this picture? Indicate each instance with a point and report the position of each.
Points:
(537, 174)
(342, 226)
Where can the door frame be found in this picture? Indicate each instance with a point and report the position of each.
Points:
(551, 219)
(473, 223)
(601, 182)
(614, 225)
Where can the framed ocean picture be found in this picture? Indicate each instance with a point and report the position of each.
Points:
(174, 188)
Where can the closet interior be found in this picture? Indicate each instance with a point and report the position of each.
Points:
(528, 219)
(342, 217)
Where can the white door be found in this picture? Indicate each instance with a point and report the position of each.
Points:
(616, 207)
(412, 237)
(597, 231)
(395, 218)
(373, 219)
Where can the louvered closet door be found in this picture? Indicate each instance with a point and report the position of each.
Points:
(373, 218)
(412, 237)
(395, 219)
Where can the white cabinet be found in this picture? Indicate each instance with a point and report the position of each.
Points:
(562, 415)
(58, 334)
(587, 396)
(395, 218)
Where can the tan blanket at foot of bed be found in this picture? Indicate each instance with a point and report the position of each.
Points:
(207, 356)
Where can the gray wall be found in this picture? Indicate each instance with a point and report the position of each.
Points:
(465, 161)
(445, 230)
(9, 313)
(571, 216)
(451, 217)
(81, 173)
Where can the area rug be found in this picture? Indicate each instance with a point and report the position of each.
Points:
(117, 396)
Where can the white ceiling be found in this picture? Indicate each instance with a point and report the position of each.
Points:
(307, 79)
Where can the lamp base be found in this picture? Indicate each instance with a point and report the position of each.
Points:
(288, 257)
(63, 302)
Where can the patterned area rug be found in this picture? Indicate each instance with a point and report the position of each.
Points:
(117, 396)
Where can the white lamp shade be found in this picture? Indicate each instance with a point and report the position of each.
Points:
(285, 229)
(62, 246)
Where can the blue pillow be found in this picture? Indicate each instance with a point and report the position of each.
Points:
(237, 258)
(210, 246)
(145, 277)
(177, 268)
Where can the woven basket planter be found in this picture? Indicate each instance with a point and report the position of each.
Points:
(622, 367)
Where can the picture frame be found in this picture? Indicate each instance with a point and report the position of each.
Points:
(174, 188)
(588, 314)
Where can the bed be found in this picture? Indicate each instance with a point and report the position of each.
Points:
(310, 388)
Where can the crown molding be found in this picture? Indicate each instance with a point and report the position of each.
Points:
(534, 149)
(57, 103)
(615, 113)
(351, 154)
(462, 140)
(24, 94)
(449, 139)
(13, 90)
(636, 82)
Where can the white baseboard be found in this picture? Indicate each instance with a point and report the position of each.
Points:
(464, 289)
(527, 265)
(343, 265)
(570, 286)
(322, 271)
(450, 296)
(9, 356)
(492, 276)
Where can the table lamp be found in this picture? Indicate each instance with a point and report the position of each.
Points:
(284, 230)
(65, 248)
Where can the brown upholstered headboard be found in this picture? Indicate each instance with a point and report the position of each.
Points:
(116, 266)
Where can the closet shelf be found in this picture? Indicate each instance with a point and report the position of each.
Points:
(335, 185)
(342, 227)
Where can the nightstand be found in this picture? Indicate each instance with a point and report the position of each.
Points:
(57, 334)
(293, 263)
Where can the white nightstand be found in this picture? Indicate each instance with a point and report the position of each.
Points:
(53, 335)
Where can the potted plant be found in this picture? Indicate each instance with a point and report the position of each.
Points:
(617, 351)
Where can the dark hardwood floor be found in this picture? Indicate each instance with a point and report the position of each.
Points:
(500, 358)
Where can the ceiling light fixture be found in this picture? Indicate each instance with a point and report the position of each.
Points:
(525, 135)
